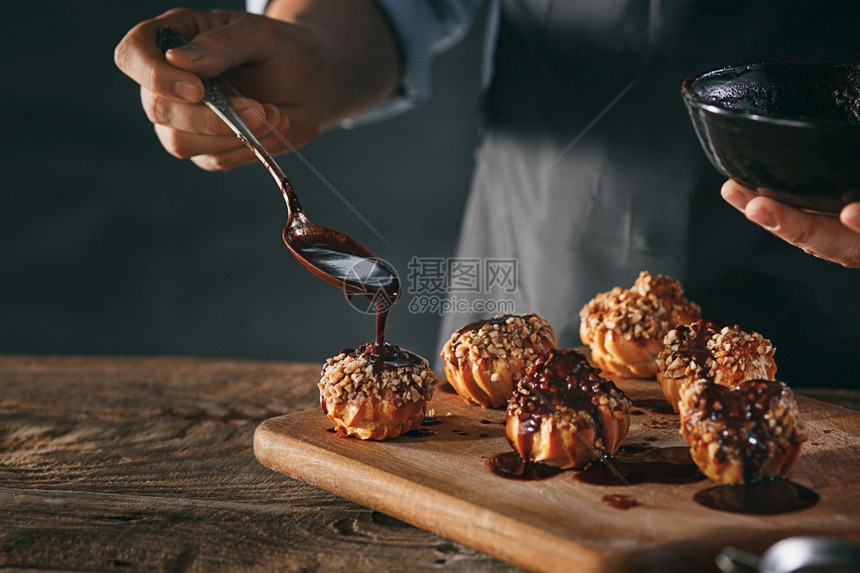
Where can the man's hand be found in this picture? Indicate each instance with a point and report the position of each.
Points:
(829, 237)
(305, 68)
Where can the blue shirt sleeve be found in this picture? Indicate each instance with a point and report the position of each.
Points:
(256, 6)
(422, 29)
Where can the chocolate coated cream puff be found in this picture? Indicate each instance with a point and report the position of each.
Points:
(564, 414)
(741, 434)
(375, 392)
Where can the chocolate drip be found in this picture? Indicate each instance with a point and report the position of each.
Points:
(619, 500)
(359, 273)
(419, 433)
(381, 320)
(693, 343)
(630, 466)
(385, 356)
(501, 319)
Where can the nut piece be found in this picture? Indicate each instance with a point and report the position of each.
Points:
(743, 434)
(484, 360)
(625, 327)
(564, 414)
(376, 391)
(715, 352)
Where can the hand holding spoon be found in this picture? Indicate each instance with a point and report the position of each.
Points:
(329, 254)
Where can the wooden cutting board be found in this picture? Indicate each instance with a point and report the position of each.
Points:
(442, 483)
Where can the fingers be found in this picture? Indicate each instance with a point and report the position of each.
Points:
(234, 157)
(274, 62)
(219, 149)
(183, 145)
(850, 216)
(187, 130)
(218, 41)
(824, 236)
(139, 57)
(197, 118)
(736, 195)
(820, 235)
(235, 39)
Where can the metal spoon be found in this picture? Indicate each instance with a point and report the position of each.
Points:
(329, 254)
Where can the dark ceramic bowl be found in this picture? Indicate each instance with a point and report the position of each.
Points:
(789, 130)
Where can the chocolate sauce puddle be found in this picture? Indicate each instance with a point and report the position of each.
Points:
(510, 465)
(383, 355)
(766, 497)
(619, 500)
(629, 466)
(646, 465)
(633, 465)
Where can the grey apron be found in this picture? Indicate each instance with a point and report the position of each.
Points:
(589, 171)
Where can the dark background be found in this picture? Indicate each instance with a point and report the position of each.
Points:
(108, 245)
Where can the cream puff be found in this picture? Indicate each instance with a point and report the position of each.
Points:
(564, 414)
(484, 360)
(742, 434)
(624, 328)
(717, 352)
(375, 392)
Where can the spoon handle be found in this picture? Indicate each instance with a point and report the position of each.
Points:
(215, 99)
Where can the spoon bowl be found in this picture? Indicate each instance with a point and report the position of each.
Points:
(339, 260)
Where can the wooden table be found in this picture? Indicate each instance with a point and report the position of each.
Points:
(133, 464)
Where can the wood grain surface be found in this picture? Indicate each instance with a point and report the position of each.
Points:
(146, 464)
(442, 483)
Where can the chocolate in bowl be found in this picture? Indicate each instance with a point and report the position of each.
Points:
(789, 130)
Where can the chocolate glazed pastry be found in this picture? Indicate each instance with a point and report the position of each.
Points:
(742, 435)
(564, 414)
(375, 392)
(715, 352)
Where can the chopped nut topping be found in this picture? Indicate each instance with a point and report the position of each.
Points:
(499, 337)
(647, 310)
(353, 373)
(719, 353)
(624, 328)
(483, 360)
